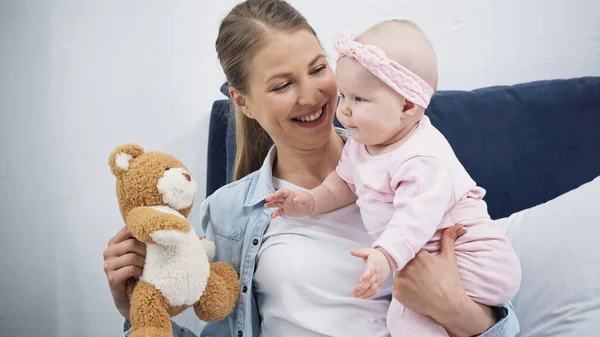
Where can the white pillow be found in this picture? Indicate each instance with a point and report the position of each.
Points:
(558, 243)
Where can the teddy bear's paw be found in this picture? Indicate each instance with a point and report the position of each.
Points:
(169, 237)
(151, 332)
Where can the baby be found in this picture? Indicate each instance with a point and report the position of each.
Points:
(403, 175)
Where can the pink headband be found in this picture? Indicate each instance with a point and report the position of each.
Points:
(405, 82)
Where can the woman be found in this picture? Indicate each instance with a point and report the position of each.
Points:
(296, 274)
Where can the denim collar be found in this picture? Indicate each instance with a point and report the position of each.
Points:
(262, 181)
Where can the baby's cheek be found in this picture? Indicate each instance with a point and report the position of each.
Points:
(373, 121)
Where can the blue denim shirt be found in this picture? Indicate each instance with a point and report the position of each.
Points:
(235, 219)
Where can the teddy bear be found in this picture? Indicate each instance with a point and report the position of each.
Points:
(155, 193)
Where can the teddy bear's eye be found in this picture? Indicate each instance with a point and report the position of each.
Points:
(166, 169)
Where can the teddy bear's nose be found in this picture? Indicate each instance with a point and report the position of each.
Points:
(187, 176)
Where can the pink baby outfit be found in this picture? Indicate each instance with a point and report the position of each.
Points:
(408, 196)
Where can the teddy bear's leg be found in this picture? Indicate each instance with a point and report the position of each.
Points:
(221, 293)
(231, 279)
(149, 312)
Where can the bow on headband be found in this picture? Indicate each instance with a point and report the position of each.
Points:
(405, 82)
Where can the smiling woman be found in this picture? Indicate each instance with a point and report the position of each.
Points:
(289, 91)
(264, 38)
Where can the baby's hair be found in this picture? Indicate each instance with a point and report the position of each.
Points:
(424, 65)
(399, 21)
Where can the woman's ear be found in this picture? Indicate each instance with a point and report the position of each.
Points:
(240, 101)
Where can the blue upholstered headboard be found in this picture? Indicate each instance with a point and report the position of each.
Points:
(525, 144)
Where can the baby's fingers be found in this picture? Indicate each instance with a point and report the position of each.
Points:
(274, 204)
(372, 291)
(277, 213)
(363, 288)
(274, 197)
(362, 253)
(366, 280)
(370, 272)
(281, 194)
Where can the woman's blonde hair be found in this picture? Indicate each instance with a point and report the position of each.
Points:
(242, 34)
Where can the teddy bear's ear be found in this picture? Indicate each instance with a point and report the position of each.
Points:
(119, 159)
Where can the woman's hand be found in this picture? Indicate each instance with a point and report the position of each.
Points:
(123, 259)
(430, 285)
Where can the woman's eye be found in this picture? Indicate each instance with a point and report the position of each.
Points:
(319, 69)
(359, 99)
(282, 87)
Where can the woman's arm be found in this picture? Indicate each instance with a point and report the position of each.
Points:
(429, 284)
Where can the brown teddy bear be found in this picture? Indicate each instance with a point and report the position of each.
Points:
(155, 193)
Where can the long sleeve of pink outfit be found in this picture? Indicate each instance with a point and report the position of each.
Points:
(424, 193)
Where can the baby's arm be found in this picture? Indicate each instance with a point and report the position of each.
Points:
(332, 194)
(425, 191)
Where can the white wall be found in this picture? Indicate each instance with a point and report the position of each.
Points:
(79, 77)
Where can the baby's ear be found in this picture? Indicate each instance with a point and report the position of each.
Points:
(119, 159)
(409, 109)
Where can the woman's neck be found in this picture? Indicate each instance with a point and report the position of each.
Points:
(308, 168)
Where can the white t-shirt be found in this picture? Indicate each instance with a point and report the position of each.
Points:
(305, 276)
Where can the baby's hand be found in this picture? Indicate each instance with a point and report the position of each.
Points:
(376, 272)
(297, 203)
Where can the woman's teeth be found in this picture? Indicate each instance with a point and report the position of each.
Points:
(309, 118)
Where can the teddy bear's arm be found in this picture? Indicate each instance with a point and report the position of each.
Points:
(209, 246)
(144, 221)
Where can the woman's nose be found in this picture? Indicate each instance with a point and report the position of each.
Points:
(309, 95)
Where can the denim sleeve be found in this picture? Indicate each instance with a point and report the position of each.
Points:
(507, 326)
(177, 330)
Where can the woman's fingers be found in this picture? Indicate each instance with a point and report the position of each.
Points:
(118, 277)
(123, 259)
(125, 247)
(448, 240)
(129, 259)
(121, 236)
